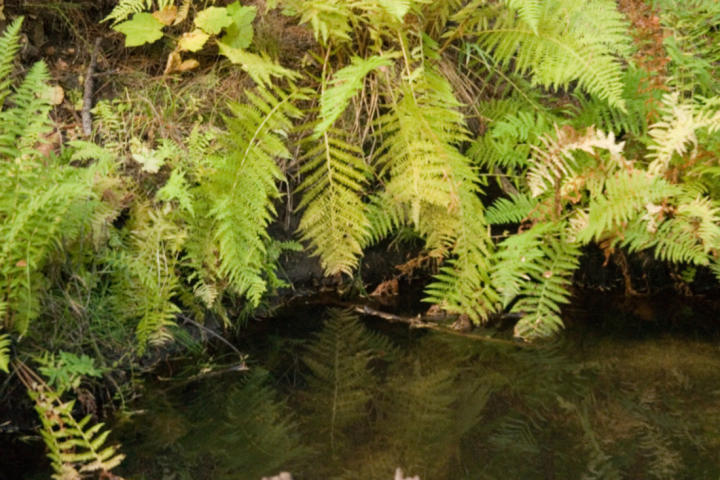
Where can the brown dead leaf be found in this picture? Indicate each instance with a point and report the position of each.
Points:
(166, 15)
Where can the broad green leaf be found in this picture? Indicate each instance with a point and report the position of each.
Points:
(213, 19)
(141, 29)
(240, 33)
(193, 41)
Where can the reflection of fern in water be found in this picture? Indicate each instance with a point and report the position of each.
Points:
(340, 377)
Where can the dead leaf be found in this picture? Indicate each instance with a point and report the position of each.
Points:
(188, 65)
(166, 15)
(173, 62)
(55, 95)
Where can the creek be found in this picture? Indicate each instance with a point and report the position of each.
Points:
(333, 395)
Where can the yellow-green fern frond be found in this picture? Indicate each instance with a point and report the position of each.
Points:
(4, 350)
(545, 290)
(571, 41)
(244, 186)
(76, 448)
(345, 84)
(626, 195)
(676, 132)
(334, 220)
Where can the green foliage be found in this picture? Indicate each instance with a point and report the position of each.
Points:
(76, 448)
(559, 42)
(245, 183)
(141, 29)
(66, 370)
(339, 360)
(5, 343)
(43, 201)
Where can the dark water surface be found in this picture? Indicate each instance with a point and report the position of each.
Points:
(330, 395)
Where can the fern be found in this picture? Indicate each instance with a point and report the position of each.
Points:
(545, 288)
(9, 46)
(75, 447)
(626, 195)
(341, 377)
(510, 210)
(125, 8)
(345, 84)
(529, 11)
(565, 41)
(334, 220)
(243, 188)
(5, 343)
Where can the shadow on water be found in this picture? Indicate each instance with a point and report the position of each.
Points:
(344, 400)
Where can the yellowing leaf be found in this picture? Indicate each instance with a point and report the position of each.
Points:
(188, 65)
(142, 29)
(166, 15)
(193, 41)
(150, 160)
(240, 33)
(213, 19)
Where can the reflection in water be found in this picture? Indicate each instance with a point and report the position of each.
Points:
(440, 408)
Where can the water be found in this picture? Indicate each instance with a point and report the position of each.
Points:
(352, 398)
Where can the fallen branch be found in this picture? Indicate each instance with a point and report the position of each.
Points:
(418, 321)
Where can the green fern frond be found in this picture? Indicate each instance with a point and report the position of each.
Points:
(242, 189)
(26, 121)
(529, 11)
(463, 285)
(385, 217)
(5, 343)
(125, 8)
(9, 46)
(546, 288)
(345, 84)
(329, 19)
(626, 195)
(510, 210)
(334, 220)
(571, 41)
(515, 257)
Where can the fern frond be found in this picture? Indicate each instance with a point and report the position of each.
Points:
(242, 189)
(529, 11)
(334, 220)
(75, 447)
(556, 161)
(9, 46)
(463, 285)
(385, 217)
(515, 257)
(626, 195)
(676, 132)
(4, 350)
(125, 8)
(546, 288)
(27, 120)
(345, 84)
(339, 361)
(574, 41)
(510, 210)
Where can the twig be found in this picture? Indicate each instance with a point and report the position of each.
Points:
(418, 322)
(214, 334)
(88, 93)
